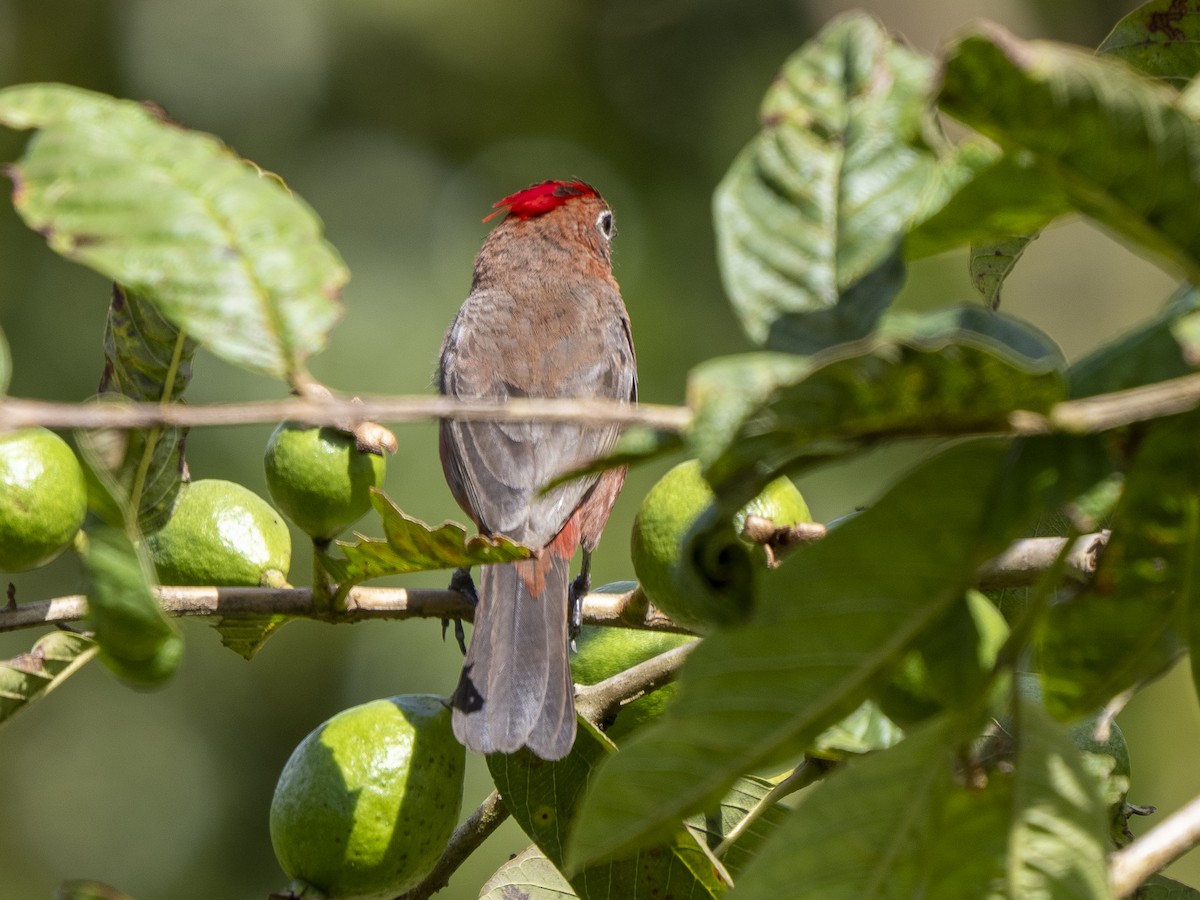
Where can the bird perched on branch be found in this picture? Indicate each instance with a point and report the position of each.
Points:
(544, 319)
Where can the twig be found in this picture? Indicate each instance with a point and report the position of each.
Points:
(362, 603)
(1022, 563)
(467, 837)
(342, 412)
(1019, 566)
(599, 702)
(1166, 842)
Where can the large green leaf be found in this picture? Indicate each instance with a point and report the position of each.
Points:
(810, 215)
(544, 797)
(53, 659)
(904, 817)
(1120, 144)
(147, 359)
(1127, 625)
(827, 625)
(224, 251)
(136, 640)
(527, 876)
(1161, 38)
(961, 371)
(410, 545)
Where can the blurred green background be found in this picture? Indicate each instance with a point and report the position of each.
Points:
(401, 122)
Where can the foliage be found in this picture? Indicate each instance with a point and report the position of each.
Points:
(850, 178)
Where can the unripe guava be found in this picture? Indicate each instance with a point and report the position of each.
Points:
(661, 537)
(319, 478)
(367, 802)
(221, 534)
(43, 498)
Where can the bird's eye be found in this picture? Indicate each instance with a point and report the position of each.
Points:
(604, 224)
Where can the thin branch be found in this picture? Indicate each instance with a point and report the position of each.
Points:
(601, 701)
(467, 837)
(343, 412)
(1166, 842)
(1020, 565)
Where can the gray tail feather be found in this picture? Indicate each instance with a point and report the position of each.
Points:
(516, 689)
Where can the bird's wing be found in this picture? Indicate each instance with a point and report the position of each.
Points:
(493, 351)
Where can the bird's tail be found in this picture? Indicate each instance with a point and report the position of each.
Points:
(516, 689)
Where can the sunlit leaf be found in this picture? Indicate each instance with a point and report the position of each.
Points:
(410, 545)
(136, 640)
(543, 798)
(527, 876)
(1120, 144)
(992, 261)
(1161, 38)
(224, 251)
(245, 635)
(961, 371)
(810, 215)
(53, 659)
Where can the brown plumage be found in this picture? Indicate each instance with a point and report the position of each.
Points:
(544, 319)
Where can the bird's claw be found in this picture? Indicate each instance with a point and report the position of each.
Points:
(462, 582)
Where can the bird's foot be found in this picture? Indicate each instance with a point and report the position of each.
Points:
(462, 582)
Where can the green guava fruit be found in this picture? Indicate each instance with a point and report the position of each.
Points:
(368, 800)
(221, 534)
(43, 498)
(319, 478)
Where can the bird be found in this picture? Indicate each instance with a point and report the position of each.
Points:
(545, 319)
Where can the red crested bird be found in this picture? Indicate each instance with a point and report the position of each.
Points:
(544, 319)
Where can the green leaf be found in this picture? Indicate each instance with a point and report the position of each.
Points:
(745, 796)
(865, 730)
(810, 215)
(1160, 38)
(224, 250)
(961, 371)
(635, 446)
(147, 359)
(1160, 887)
(53, 659)
(825, 629)
(136, 640)
(1120, 144)
(543, 798)
(410, 545)
(1126, 626)
(1007, 194)
(527, 876)
(245, 635)
(992, 261)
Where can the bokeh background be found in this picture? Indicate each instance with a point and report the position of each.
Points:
(400, 122)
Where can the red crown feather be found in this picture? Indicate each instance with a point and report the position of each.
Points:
(538, 199)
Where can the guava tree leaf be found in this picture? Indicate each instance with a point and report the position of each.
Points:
(904, 818)
(1006, 194)
(825, 628)
(527, 876)
(245, 635)
(742, 799)
(54, 658)
(863, 731)
(961, 371)
(1160, 887)
(543, 798)
(810, 215)
(147, 359)
(223, 250)
(1120, 144)
(992, 261)
(1150, 352)
(410, 545)
(634, 447)
(1160, 38)
(136, 640)
(1128, 625)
